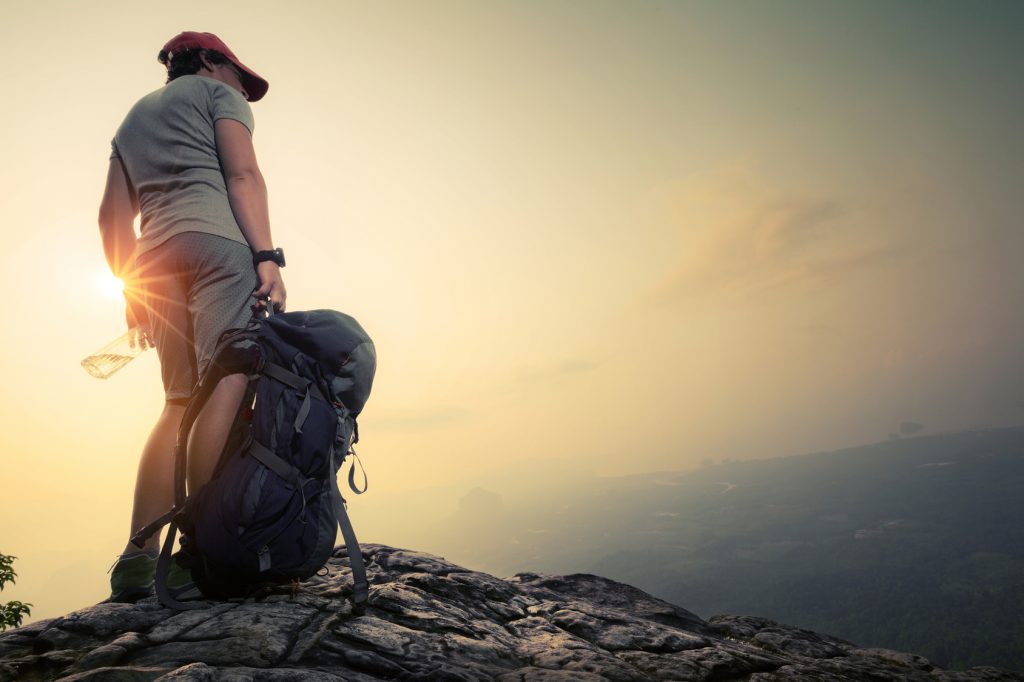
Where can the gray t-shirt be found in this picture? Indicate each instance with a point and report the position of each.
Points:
(169, 151)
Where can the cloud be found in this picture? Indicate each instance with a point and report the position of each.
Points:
(738, 234)
(409, 421)
(542, 374)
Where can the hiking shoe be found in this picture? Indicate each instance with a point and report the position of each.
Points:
(131, 576)
(179, 580)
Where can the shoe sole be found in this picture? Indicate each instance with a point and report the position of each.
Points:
(130, 595)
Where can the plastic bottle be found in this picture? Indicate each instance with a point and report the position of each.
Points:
(116, 354)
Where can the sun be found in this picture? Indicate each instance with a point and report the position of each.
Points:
(108, 285)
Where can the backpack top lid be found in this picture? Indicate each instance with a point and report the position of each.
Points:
(337, 342)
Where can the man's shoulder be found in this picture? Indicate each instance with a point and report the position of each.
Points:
(177, 88)
(187, 95)
(204, 84)
(180, 90)
(189, 84)
(192, 85)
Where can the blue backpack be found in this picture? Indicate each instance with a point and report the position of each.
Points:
(271, 511)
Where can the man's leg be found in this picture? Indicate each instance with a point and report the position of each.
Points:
(154, 484)
(163, 287)
(220, 299)
(211, 429)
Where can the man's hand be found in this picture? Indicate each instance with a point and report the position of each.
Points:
(271, 285)
(137, 319)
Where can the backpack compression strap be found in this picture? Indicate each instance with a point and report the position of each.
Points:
(288, 378)
(360, 587)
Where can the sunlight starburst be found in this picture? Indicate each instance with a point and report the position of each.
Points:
(109, 286)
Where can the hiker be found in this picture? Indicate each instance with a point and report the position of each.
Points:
(184, 159)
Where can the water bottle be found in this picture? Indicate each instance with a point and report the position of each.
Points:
(116, 354)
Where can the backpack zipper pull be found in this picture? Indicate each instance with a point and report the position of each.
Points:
(264, 558)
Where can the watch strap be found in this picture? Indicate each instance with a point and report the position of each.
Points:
(276, 255)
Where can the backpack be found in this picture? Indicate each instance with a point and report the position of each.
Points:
(271, 511)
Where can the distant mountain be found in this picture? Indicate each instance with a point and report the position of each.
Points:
(914, 543)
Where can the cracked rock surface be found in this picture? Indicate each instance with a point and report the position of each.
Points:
(429, 619)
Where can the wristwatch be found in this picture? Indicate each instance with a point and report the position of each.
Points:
(277, 255)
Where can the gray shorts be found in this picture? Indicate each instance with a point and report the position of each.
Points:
(196, 286)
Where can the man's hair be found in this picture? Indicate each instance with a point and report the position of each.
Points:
(186, 62)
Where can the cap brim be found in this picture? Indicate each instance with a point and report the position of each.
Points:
(255, 86)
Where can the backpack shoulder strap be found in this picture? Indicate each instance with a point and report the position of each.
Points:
(163, 567)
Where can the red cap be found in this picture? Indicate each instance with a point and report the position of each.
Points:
(254, 85)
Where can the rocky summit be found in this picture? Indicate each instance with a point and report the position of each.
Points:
(428, 619)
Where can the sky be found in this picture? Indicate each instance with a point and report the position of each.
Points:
(595, 237)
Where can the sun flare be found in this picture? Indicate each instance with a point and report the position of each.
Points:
(108, 285)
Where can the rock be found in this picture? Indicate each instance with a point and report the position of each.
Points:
(429, 619)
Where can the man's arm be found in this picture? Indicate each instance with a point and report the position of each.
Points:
(117, 217)
(247, 194)
(118, 209)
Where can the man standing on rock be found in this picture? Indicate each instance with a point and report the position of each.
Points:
(184, 159)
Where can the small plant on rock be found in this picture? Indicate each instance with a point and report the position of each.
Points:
(12, 612)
